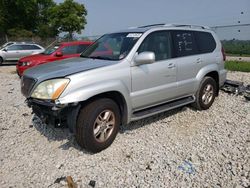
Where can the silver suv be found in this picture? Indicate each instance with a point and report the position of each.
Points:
(126, 76)
(15, 51)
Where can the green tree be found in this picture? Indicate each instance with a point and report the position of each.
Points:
(44, 29)
(68, 16)
(29, 16)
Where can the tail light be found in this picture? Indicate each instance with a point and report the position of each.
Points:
(223, 54)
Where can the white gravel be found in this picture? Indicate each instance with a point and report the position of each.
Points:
(180, 148)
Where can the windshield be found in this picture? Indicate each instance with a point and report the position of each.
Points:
(50, 50)
(114, 46)
(6, 44)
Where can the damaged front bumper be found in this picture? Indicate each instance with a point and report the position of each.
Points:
(57, 115)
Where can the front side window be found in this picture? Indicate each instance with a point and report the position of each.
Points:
(184, 43)
(158, 42)
(51, 50)
(82, 47)
(14, 48)
(114, 46)
(69, 50)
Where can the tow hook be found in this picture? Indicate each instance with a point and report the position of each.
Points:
(237, 88)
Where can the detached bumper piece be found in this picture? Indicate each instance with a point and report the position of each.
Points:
(56, 115)
(237, 88)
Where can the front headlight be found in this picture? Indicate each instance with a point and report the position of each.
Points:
(50, 89)
(26, 63)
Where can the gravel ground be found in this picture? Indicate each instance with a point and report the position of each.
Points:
(238, 58)
(180, 148)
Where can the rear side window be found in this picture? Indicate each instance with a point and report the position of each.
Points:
(35, 47)
(81, 48)
(184, 43)
(30, 47)
(205, 42)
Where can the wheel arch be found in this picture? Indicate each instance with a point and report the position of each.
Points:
(215, 76)
(117, 97)
(212, 71)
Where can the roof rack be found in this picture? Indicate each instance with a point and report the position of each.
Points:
(152, 25)
(176, 25)
(191, 26)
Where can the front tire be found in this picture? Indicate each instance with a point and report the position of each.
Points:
(98, 124)
(206, 94)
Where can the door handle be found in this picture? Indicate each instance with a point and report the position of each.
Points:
(171, 65)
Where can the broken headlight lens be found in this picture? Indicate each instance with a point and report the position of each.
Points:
(50, 89)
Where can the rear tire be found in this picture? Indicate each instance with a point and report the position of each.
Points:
(98, 124)
(206, 94)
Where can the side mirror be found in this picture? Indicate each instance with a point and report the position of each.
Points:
(59, 54)
(144, 58)
(5, 49)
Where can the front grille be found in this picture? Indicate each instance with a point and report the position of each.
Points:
(26, 85)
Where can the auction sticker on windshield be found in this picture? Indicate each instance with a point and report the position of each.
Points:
(134, 35)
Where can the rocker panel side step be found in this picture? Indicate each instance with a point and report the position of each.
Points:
(162, 108)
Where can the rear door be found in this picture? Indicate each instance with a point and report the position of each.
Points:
(154, 83)
(26, 50)
(188, 61)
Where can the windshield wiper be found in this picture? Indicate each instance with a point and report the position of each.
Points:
(98, 57)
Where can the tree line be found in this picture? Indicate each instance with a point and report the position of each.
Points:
(237, 47)
(42, 18)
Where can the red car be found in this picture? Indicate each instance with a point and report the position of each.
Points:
(57, 52)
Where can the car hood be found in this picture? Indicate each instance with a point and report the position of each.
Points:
(36, 57)
(64, 68)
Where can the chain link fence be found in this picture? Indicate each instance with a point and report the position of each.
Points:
(232, 36)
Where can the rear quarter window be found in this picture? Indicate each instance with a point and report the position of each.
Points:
(184, 43)
(205, 42)
(35, 47)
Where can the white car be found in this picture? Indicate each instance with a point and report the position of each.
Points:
(18, 50)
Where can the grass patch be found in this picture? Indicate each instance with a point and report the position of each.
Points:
(237, 66)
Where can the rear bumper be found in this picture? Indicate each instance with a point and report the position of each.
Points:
(56, 115)
(222, 77)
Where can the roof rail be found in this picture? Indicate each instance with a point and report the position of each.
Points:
(191, 26)
(176, 25)
(152, 25)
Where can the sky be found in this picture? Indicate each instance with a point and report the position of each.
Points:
(106, 16)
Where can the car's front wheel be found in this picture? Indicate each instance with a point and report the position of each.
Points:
(206, 94)
(97, 124)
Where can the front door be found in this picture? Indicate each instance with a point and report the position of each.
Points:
(154, 83)
(13, 52)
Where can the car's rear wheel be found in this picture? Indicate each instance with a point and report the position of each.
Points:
(206, 94)
(1, 60)
(97, 124)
